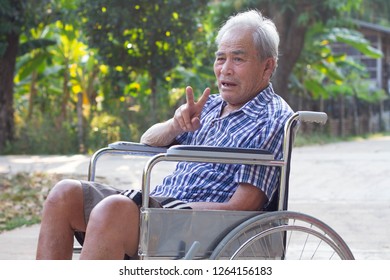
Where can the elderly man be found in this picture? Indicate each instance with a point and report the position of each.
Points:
(246, 113)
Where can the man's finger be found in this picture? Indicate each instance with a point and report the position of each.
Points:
(203, 99)
(195, 123)
(190, 96)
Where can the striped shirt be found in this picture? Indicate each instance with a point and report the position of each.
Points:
(258, 124)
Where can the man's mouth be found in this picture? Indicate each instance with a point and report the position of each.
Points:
(228, 84)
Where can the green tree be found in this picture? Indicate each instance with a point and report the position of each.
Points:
(146, 38)
(12, 20)
(293, 19)
(374, 11)
(17, 17)
(319, 65)
(58, 81)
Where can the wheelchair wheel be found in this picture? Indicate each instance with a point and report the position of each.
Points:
(282, 235)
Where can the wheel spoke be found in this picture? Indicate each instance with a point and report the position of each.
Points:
(283, 235)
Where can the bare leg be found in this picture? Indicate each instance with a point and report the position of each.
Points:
(63, 213)
(113, 229)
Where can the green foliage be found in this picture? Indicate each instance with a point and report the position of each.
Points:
(324, 74)
(17, 16)
(11, 16)
(131, 61)
(307, 11)
(374, 11)
(150, 37)
(105, 129)
(354, 39)
(31, 45)
(40, 135)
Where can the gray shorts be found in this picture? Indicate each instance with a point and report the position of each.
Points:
(95, 192)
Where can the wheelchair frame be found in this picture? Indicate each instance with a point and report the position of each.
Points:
(170, 233)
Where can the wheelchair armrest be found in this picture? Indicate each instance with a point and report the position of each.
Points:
(122, 147)
(136, 147)
(316, 117)
(219, 152)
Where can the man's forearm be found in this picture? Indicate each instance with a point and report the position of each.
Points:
(161, 134)
(246, 198)
(219, 206)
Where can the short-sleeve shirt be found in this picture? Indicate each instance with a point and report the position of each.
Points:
(257, 124)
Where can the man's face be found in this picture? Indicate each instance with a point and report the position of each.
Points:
(240, 73)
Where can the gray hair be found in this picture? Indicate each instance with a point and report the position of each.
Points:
(265, 35)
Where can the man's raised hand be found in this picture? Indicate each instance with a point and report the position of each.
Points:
(187, 116)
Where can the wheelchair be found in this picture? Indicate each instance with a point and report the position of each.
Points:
(272, 234)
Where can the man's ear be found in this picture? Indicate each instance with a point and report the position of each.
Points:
(269, 68)
(270, 65)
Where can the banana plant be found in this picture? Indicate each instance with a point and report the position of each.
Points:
(320, 65)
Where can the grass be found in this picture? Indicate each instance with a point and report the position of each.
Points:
(303, 139)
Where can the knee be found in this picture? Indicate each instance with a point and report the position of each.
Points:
(64, 192)
(115, 208)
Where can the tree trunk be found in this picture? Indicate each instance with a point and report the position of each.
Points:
(7, 69)
(33, 94)
(153, 87)
(382, 126)
(80, 125)
(292, 38)
(91, 92)
(355, 115)
(370, 119)
(65, 94)
(342, 116)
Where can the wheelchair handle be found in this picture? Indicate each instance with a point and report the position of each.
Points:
(310, 116)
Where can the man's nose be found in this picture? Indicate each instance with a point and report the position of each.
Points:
(226, 68)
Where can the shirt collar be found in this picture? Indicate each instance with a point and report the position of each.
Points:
(253, 107)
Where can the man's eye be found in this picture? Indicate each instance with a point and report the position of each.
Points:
(237, 59)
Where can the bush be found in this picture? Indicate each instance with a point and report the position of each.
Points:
(105, 129)
(41, 135)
